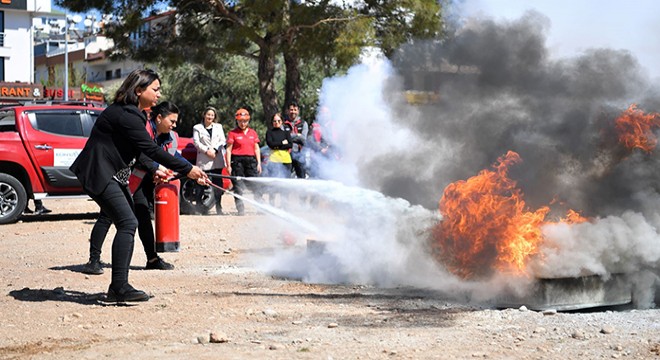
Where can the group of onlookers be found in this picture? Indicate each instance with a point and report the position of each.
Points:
(294, 151)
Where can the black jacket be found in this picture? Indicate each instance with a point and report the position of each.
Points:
(118, 136)
(275, 139)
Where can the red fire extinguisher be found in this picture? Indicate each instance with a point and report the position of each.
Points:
(166, 214)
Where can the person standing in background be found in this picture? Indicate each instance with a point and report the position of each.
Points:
(279, 161)
(39, 208)
(299, 132)
(210, 141)
(104, 166)
(243, 156)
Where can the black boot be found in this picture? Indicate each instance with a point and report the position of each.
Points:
(39, 208)
(126, 293)
(93, 267)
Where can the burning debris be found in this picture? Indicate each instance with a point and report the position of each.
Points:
(635, 129)
(486, 225)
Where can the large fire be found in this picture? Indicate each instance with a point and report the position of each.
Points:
(486, 225)
(635, 129)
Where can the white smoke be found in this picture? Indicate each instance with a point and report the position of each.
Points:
(364, 236)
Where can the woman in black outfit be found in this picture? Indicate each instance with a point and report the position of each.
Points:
(118, 137)
(279, 162)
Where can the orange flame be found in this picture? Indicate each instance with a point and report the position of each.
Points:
(635, 129)
(486, 226)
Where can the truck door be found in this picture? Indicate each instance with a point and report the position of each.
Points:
(54, 138)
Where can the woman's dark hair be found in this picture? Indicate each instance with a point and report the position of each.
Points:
(136, 80)
(215, 112)
(163, 109)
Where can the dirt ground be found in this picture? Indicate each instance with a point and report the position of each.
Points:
(214, 305)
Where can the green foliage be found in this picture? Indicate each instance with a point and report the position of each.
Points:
(230, 87)
(202, 41)
(227, 88)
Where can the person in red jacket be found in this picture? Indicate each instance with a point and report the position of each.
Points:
(243, 156)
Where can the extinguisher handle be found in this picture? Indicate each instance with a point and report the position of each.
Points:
(176, 176)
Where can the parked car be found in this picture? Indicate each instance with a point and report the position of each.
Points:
(38, 143)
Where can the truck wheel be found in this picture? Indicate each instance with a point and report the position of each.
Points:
(189, 198)
(13, 199)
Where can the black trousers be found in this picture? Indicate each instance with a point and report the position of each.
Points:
(244, 166)
(117, 205)
(142, 202)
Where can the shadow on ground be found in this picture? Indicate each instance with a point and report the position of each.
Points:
(60, 294)
(58, 217)
(79, 267)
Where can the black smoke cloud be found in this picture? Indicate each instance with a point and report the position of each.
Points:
(499, 89)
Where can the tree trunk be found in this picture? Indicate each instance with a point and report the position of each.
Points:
(292, 84)
(266, 76)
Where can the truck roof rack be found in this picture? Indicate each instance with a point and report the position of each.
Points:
(53, 102)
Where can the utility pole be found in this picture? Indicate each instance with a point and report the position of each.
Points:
(66, 56)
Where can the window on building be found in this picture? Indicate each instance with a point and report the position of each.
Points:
(117, 73)
(108, 75)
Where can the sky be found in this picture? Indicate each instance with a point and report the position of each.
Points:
(577, 25)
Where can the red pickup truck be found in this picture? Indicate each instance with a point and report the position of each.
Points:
(38, 143)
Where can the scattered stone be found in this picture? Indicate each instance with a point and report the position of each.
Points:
(296, 322)
(541, 349)
(549, 311)
(228, 251)
(523, 308)
(276, 347)
(58, 291)
(539, 330)
(332, 325)
(218, 338)
(578, 334)
(202, 339)
(607, 329)
(270, 313)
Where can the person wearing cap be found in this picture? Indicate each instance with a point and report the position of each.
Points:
(243, 156)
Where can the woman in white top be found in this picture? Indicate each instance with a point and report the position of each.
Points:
(209, 139)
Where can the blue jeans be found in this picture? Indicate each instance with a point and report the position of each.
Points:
(116, 203)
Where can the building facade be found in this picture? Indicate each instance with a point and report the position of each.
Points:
(16, 59)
